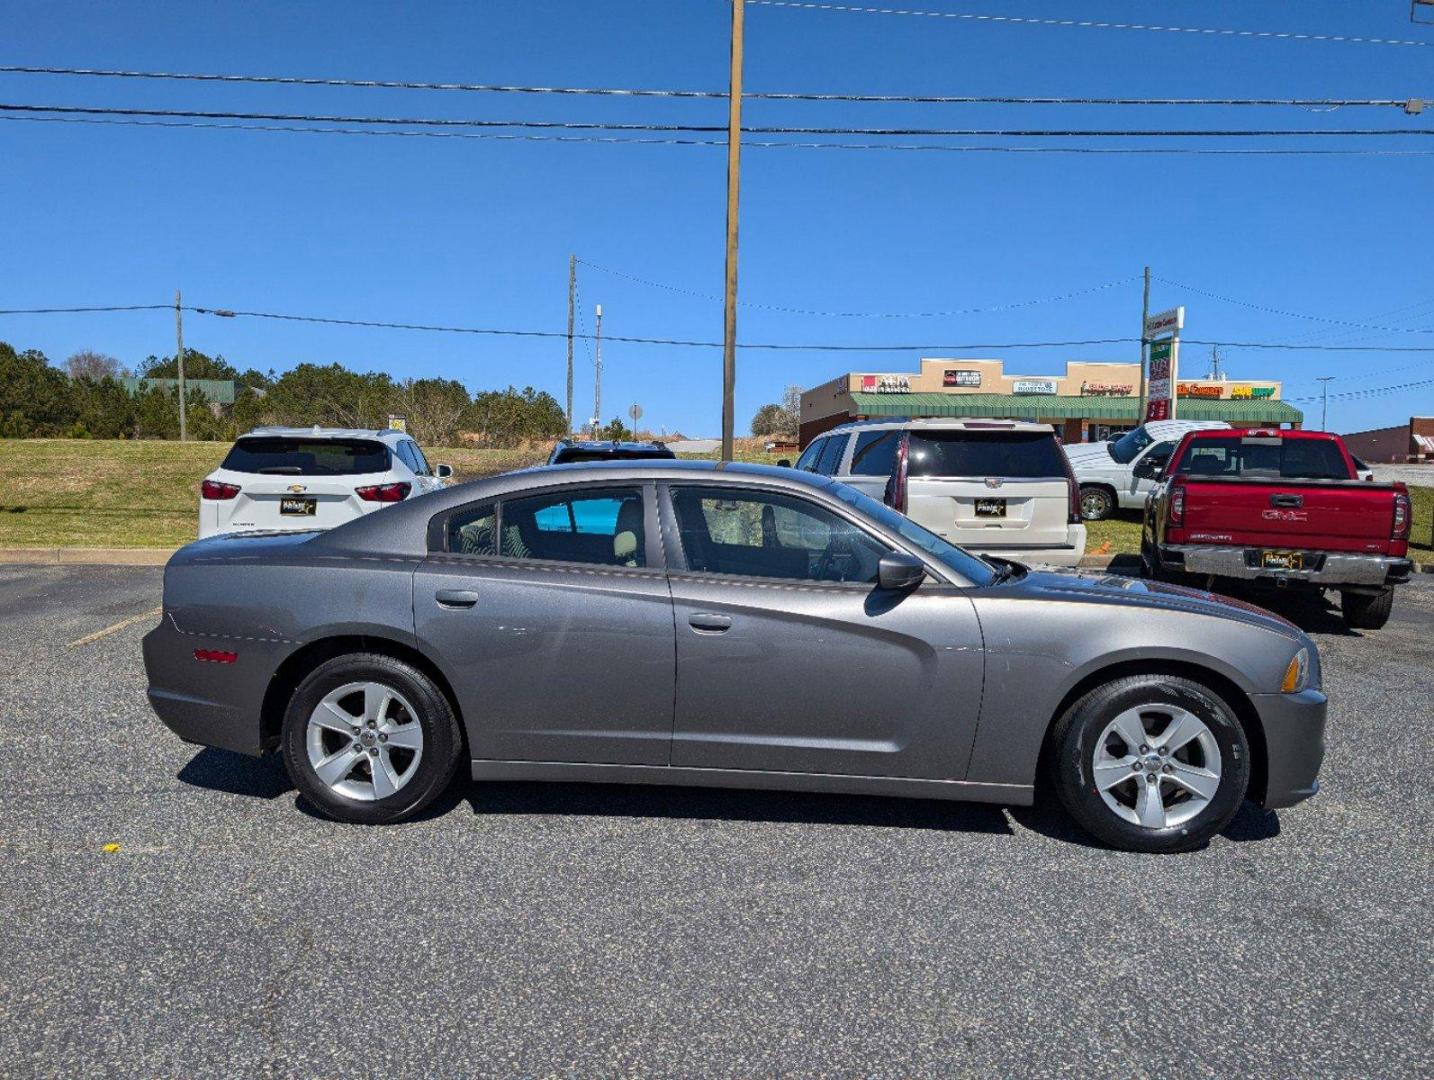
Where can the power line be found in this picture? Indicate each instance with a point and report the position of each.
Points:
(491, 136)
(1374, 391)
(77, 310)
(578, 91)
(1295, 314)
(1091, 24)
(570, 125)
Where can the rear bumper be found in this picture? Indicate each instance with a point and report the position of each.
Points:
(205, 703)
(1068, 554)
(1327, 569)
(1294, 745)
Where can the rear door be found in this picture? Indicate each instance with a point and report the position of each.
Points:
(288, 482)
(551, 616)
(989, 490)
(791, 660)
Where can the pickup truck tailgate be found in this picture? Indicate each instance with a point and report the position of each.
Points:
(1328, 515)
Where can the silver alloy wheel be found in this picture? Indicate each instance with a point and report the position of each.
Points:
(1093, 504)
(364, 741)
(1157, 765)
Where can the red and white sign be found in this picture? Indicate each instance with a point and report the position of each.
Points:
(1165, 322)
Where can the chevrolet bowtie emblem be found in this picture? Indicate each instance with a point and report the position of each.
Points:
(296, 488)
(993, 481)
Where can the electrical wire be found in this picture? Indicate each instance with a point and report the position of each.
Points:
(1293, 314)
(1090, 24)
(569, 125)
(710, 95)
(713, 297)
(1374, 391)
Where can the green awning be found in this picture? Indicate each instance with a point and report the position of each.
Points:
(1066, 407)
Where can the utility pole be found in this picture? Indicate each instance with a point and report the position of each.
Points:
(734, 160)
(597, 379)
(179, 359)
(572, 296)
(1144, 315)
(1324, 381)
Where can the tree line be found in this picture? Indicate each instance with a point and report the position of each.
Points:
(86, 399)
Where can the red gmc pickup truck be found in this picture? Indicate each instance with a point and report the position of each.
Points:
(1283, 509)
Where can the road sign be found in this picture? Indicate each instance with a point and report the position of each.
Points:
(635, 411)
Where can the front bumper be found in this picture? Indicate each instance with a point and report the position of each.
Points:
(1293, 726)
(1326, 569)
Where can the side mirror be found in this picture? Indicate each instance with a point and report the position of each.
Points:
(443, 472)
(1146, 469)
(784, 463)
(899, 571)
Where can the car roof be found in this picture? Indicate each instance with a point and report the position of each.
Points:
(1162, 429)
(317, 432)
(601, 445)
(940, 424)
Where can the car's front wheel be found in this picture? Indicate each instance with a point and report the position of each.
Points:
(1096, 503)
(1151, 763)
(370, 739)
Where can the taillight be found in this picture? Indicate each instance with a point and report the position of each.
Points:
(1401, 517)
(213, 489)
(1073, 513)
(895, 494)
(1177, 505)
(383, 493)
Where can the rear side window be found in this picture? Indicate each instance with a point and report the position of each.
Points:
(604, 527)
(831, 455)
(1016, 454)
(307, 457)
(1289, 459)
(420, 463)
(875, 453)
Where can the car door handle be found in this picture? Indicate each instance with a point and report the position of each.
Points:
(462, 598)
(705, 622)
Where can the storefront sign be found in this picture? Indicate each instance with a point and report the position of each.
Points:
(960, 377)
(1101, 389)
(1247, 392)
(397, 423)
(1165, 322)
(1197, 390)
(1162, 379)
(889, 384)
(1033, 386)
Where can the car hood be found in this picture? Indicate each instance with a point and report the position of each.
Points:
(1089, 454)
(1114, 590)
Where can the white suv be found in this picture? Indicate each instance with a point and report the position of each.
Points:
(312, 478)
(1122, 472)
(995, 487)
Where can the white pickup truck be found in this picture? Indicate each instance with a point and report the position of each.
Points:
(1107, 471)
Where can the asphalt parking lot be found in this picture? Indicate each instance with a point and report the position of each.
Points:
(588, 931)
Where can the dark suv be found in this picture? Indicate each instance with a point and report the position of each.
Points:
(570, 450)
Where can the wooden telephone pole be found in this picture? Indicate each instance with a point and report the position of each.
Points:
(179, 360)
(734, 160)
(572, 296)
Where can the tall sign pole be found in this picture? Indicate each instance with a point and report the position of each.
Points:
(1144, 318)
(597, 375)
(1162, 330)
(179, 360)
(572, 296)
(734, 158)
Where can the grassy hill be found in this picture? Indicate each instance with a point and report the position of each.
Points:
(124, 494)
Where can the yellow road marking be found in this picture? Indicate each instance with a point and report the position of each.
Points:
(108, 630)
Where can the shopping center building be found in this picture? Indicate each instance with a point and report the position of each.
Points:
(1090, 401)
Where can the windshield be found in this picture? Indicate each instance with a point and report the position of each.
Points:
(307, 456)
(968, 566)
(1128, 447)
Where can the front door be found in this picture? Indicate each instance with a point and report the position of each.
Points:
(790, 659)
(551, 616)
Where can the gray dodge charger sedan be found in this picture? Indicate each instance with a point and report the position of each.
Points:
(732, 626)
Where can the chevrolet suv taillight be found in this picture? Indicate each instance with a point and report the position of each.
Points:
(1177, 504)
(213, 489)
(1401, 517)
(383, 493)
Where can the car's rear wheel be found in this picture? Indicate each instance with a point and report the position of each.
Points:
(1151, 763)
(1096, 503)
(370, 739)
(1366, 611)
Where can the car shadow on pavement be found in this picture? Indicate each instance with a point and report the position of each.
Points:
(237, 774)
(1048, 818)
(716, 804)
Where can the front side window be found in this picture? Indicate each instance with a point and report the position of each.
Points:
(601, 526)
(875, 453)
(284, 456)
(968, 566)
(1160, 453)
(765, 534)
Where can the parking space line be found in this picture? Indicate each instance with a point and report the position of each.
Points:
(108, 630)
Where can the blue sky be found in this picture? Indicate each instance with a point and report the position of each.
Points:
(478, 233)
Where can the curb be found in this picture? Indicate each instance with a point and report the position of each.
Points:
(86, 556)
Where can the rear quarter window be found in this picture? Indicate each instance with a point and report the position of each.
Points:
(307, 457)
(875, 453)
(1016, 454)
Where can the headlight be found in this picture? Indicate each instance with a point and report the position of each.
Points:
(1297, 674)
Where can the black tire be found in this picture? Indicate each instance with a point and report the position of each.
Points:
(1096, 503)
(1362, 611)
(1073, 748)
(435, 768)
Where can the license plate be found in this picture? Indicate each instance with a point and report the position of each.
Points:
(990, 507)
(298, 507)
(1282, 560)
